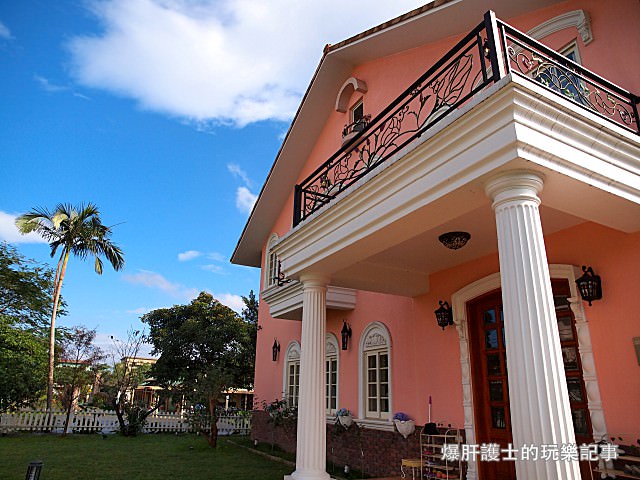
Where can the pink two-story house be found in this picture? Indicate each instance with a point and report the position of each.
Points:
(478, 158)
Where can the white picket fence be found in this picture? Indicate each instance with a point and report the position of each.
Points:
(104, 421)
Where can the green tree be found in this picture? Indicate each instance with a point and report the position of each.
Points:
(23, 366)
(26, 290)
(71, 230)
(250, 317)
(76, 372)
(201, 348)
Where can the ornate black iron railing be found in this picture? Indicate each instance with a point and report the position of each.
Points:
(559, 74)
(489, 52)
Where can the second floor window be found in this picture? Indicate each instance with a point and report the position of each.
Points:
(271, 263)
(357, 115)
(358, 121)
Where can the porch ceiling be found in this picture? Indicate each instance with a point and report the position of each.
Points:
(410, 263)
(382, 233)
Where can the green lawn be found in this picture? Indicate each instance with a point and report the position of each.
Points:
(91, 457)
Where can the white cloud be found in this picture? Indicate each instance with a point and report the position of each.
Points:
(5, 32)
(212, 267)
(217, 61)
(231, 300)
(157, 281)
(9, 233)
(237, 171)
(49, 86)
(245, 199)
(216, 257)
(188, 255)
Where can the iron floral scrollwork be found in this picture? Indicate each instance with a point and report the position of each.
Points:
(563, 78)
(422, 106)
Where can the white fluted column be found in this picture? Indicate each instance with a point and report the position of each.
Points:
(539, 401)
(312, 434)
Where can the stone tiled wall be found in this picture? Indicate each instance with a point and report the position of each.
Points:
(377, 452)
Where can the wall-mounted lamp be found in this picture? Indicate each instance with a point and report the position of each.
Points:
(275, 350)
(444, 315)
(346, 335)
(589, 285)
(486, 49)
(280, 279)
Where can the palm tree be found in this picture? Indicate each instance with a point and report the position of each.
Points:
(76, 231)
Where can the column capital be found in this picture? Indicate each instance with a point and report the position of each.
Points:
(314, 280)
(516, 185)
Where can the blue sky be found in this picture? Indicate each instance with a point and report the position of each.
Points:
(167, 114)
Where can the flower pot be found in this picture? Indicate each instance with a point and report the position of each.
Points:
(345, 420)
(405, 428)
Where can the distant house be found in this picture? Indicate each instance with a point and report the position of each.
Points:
(149, 392)
(470, 163)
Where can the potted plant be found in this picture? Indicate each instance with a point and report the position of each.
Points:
(344, 417)
(404, 424)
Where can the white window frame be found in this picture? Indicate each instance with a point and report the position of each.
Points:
(375, 340)
(332, 355)
(291, 390)
(270, 262)
(354, 108)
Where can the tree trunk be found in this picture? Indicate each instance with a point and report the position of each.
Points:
(66, 420)
(116, 407)
(212, 438)
(52, 331)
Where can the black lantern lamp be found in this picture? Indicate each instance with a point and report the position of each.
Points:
(346, 335)
(589, 285)
(275, 350)
(33, 470)
(444, 315)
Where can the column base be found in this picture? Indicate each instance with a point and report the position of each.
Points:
(308, 475)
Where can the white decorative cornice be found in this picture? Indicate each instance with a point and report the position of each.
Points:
(286, 301)
(577, 18)
(375, 340)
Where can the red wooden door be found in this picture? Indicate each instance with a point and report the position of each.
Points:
(491, 382)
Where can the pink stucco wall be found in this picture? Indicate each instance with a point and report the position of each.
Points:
(426, 360)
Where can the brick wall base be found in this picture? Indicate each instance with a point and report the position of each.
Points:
(373, 452)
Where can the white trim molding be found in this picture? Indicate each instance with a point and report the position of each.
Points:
(286, 301)
(352, 84)
(492, 282)
(576, 18)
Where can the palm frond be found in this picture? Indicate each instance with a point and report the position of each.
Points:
(98, 265)
(78, 230)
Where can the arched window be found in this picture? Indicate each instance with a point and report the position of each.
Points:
(331, 357)
(271, 262)
(375, 372)
(292, 374)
